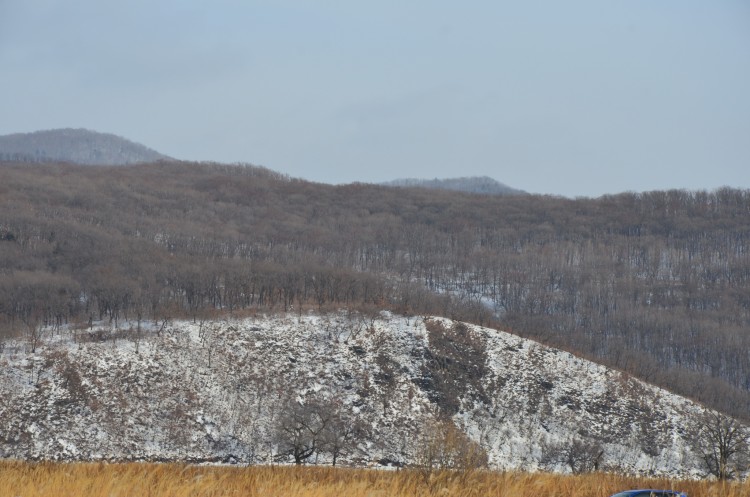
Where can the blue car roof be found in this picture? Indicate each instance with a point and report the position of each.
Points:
(673, 492)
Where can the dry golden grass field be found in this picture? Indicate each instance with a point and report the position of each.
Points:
(19, 479)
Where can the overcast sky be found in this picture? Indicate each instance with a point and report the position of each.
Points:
(576, 98)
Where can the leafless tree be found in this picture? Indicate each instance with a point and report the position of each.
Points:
(300, 427)
(343, 432)
(33, 329)
(580, 456)
(723, 444)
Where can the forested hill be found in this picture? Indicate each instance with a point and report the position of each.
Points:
(656, 284)
(79, 146)
(474, 184)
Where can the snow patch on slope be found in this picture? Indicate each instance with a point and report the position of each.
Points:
(213, 391)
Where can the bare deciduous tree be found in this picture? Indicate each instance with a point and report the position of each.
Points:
(723, 444)
(342, 433)
(300, 429)
(34, 329)
(578, 455)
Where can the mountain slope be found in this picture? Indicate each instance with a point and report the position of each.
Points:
(475, 184)
(655, 284)
(218, 390)
(79, 146)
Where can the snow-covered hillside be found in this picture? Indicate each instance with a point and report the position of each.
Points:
(218, 390)
(79, 146)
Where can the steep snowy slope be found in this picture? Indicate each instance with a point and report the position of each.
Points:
(219, 390)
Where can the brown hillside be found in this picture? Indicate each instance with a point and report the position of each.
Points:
(657, 283)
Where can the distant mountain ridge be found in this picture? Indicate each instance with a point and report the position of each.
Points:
(80, 146)
(474, 184)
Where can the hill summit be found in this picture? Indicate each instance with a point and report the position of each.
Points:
(474, 184)
(80, 146)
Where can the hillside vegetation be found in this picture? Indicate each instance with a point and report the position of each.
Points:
(657, 284)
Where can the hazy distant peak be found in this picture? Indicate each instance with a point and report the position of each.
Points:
(473, 184)
(80, 146)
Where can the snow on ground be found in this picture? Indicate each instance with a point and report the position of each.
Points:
(214, 391)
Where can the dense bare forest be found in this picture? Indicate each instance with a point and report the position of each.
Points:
(657, 284)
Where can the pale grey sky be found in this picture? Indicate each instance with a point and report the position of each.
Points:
(583, 97)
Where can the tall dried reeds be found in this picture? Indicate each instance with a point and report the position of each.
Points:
(22, 479)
